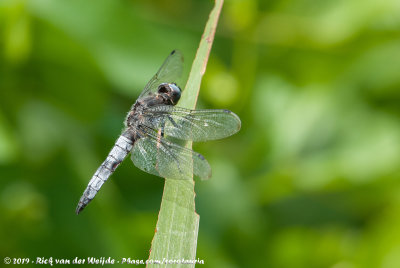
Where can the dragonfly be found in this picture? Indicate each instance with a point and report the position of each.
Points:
(154, 127)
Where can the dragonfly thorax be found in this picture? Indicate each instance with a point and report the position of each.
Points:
(167, 94)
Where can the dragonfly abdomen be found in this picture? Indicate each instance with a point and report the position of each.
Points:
(122, 147)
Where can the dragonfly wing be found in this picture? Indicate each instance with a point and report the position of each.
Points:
(195, 125)
(161, 157)
(169, 72)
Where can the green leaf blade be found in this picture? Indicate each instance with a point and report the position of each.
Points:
(178, 223)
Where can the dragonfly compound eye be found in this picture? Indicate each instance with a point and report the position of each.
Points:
(175, 93)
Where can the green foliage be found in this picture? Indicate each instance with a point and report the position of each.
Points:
(311, 180)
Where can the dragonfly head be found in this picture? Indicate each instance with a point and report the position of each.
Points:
(170, 91)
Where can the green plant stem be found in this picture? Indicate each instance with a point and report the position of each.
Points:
(178, 223)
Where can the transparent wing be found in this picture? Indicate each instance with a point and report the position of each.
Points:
(160, 157)
(169, 72)
(195, 125)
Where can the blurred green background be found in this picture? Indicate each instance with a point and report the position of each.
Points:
(311, 180)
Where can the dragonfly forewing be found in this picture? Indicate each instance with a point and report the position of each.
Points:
(193, 125)
(169, 72)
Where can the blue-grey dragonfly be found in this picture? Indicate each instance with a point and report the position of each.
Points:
(154, 125)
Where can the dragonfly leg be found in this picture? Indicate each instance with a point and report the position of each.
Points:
(172, 122)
